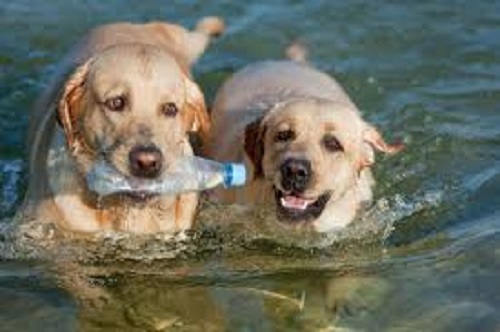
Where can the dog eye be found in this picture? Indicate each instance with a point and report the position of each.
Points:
(284, 136)
(332, 144)
(169, 109)
(116, 104)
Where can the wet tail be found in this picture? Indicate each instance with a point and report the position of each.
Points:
(297, 52)
(212, 26)
(198, 39)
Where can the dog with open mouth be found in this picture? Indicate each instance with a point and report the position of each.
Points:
(308, 148)
(123, 96)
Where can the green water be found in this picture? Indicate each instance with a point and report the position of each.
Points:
(424, 71)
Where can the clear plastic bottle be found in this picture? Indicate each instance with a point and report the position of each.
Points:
(189, 174)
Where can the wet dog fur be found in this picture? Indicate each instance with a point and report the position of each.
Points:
(123, 94)
(304, 141)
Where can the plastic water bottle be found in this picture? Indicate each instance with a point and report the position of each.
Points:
(189, 174)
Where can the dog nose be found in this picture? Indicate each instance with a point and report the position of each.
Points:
(145, 161)
(295, 174)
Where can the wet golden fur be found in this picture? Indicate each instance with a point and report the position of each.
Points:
(260, 106)
(72, 125)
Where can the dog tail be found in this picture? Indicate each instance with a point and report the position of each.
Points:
(297, 52)
(212, 26)
(206, 30)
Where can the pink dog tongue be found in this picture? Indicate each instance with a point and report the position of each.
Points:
(294, 202)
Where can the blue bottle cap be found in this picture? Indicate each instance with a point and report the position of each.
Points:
(235, 175)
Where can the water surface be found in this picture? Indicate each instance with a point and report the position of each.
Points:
(427, 257)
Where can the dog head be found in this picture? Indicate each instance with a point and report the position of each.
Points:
(133, 106)
(311, 152)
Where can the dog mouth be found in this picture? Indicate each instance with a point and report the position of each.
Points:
(106, 180)
(293, 207)
(139, 197)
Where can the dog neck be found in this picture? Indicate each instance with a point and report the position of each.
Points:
(83, 210)
(343, 211)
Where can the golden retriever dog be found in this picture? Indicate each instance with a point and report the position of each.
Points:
(302, 138)
(124, 95)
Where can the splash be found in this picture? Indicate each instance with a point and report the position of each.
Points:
(226, 229)
(10, 178)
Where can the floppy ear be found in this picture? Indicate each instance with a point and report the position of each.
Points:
(67, 111)
(198, 119)
(373, 140)
(254, 146)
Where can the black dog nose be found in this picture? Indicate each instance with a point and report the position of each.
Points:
(145, 161)
(295, 174)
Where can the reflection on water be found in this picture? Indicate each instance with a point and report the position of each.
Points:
(259, 279)
(425, 257)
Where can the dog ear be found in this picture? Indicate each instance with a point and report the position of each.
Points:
(254, 146)
(67, 111)
(197, 116)
(372, 139)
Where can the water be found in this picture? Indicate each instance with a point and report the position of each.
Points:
(427, 257)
